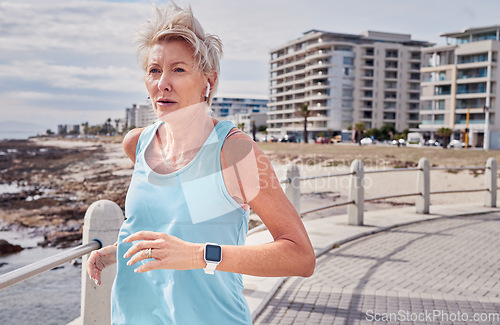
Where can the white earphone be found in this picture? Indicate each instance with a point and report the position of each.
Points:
(208, 90)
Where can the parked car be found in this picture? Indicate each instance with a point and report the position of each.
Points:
(366, 141)
(456, 144)
(322, 140)
(432, 143)
(288, 138)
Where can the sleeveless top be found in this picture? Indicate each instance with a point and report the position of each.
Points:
(192, 204)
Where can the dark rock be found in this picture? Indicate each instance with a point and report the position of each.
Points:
(61, 239)
(8, 248)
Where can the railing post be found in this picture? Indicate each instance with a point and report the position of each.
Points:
(490, 174)
(355, 210)
(423, 186)
(102, 222)
(292, 188)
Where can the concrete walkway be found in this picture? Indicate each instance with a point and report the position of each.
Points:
(442, 271)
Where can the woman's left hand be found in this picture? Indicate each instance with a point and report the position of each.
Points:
(167, 252)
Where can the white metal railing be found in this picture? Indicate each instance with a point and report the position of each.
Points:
(103, 220)
(47, 264)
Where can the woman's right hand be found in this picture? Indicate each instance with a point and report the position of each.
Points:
(100, 259)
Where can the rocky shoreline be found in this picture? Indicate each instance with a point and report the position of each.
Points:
(51, 183)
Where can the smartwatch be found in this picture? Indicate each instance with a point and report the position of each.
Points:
(213, 256)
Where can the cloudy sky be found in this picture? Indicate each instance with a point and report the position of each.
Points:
(71, 61)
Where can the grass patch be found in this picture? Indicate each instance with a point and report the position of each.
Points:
(375, 156)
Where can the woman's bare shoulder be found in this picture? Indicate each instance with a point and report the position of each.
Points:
(130, 142)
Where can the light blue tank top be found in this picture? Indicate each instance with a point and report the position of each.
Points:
(194, 205)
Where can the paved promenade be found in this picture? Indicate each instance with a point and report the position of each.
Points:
(442, 271)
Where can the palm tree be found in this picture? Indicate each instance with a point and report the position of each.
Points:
(117, 123)
(304, 112)
(445, 134)
(360, 128)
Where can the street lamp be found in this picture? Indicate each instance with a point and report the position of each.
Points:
(486, 140)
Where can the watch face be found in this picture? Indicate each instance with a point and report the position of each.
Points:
(213, 253)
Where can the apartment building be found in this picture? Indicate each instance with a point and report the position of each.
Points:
(223, 106)
(140, 115)
(460, 79)
(344, 79)
(243, 111)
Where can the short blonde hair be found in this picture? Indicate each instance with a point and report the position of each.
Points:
(174, 22)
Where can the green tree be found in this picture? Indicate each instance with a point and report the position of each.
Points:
(374, 132)
(262, 128)
(304, 112)
(387, 132)
(444, 133)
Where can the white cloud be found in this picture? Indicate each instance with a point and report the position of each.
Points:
(76, 26)
(111, 78)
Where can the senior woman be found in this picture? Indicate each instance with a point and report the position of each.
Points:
(180, 252)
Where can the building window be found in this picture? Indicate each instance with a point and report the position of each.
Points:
(391, 64)
(426, 119)
(414, 96)
(347, 93)
(415, 55)
(472, 88)
(348, 60)
(415, 76)
(413, 116)
(391, 75)
(482, 57)
(367, 114)
(484, 36)
(389, 116)
(391, 53)
(442, 90)
(413, 106)
(390, 95)
(389, 105)
(471, 103)
(472, 73)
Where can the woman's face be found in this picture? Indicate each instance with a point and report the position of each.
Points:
(172, 79)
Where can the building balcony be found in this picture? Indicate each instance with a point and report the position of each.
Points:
(316, 56)
(289, 65)
(472, 95)
(281, 111)
(317, 45)
(472, 80)
(288, 55)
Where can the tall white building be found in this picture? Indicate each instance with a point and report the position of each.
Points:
(462, 77)
(372, 78)
(140, 115)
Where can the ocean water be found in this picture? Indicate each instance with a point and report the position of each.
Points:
(16, 135)
(52, 297)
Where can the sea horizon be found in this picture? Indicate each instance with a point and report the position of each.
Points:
(20, 135)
